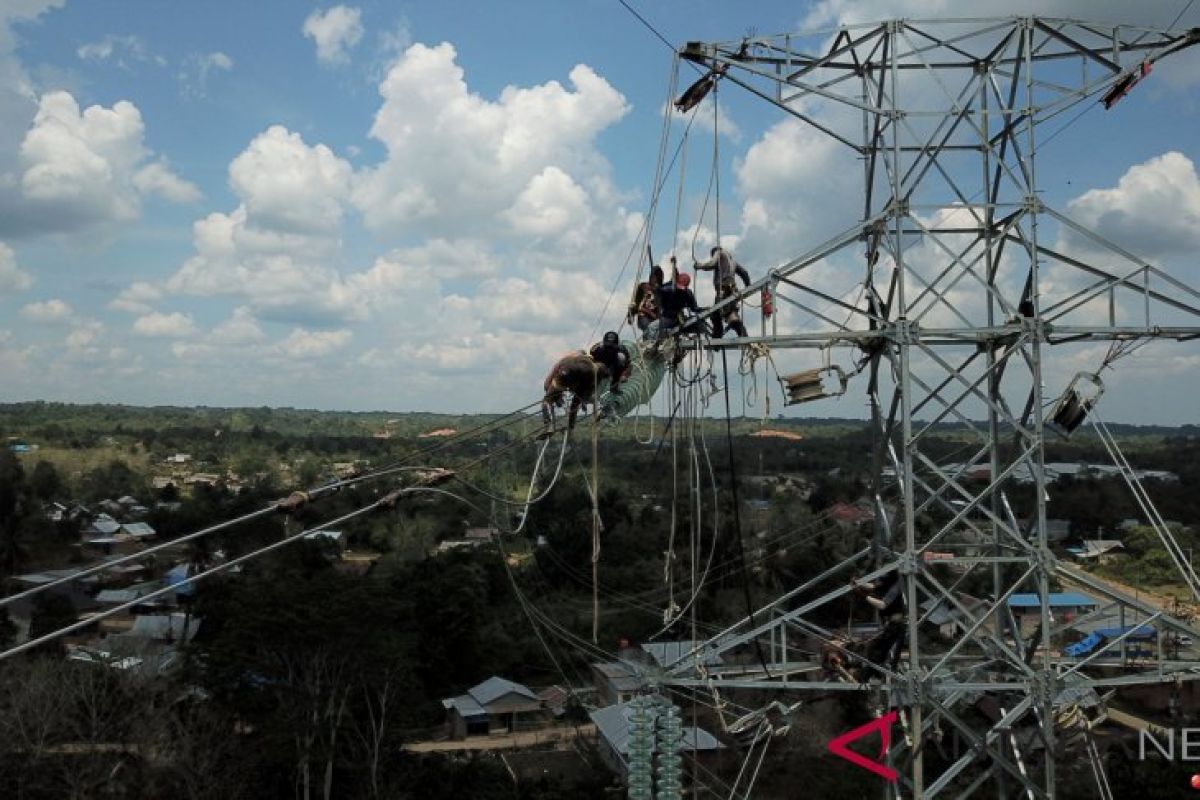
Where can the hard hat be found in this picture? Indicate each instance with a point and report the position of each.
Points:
(611, 337)
(683, 281)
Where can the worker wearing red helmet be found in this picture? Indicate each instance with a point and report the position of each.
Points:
(675, 298)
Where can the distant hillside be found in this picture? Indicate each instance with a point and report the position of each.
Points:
(29, 418)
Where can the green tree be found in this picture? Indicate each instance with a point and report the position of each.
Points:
(51, 612)
(45, 482)
(8, 629)
(13, 509)
(307, 657)
(114, 479)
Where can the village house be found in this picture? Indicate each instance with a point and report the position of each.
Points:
(1065, 606)
(335, 538)
(849, 516)
(138, 530)
(160, 482)
(615, 682)
(495, 706)
(667, 654)
(102, 525)
(480, 535)
(612, 741)
(1098, 551)
(954, 619)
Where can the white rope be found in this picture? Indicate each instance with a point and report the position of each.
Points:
(537, 468)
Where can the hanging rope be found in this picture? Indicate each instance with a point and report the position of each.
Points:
(737, 516)
(669, 565)
(751, 353)
(717, 159)
(595, 510)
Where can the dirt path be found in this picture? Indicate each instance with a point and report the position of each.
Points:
(558, 736)
(1161, 602)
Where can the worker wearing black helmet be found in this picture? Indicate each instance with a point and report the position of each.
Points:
(613, 356)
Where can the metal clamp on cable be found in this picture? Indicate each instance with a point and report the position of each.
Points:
(292, 502)
(390, 499)
(434, 476)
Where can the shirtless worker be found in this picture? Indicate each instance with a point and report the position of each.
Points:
(575, 373)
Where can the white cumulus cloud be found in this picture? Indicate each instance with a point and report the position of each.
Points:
(136, 299)
(1154, 210)
(84, 334)
(288, 186)
(12, 277)
(157, 178)
(274, 249)
(86, 167)
(454, 155)
(165, 326)
(302, 344)
(549, 205)
(335, 31)
(54, 310)
(240, 329)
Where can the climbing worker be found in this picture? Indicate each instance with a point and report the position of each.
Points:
(644, 306)
(674, 299)
(614, 357)
(724, 268)
(576, 373)
(887, 597)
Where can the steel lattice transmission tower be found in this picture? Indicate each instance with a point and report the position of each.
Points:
(969, 284)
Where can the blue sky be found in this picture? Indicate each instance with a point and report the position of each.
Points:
(418, 206)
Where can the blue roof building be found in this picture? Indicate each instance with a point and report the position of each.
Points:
(1054, 600)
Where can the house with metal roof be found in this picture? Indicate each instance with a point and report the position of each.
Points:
(336, 539)
(495, 706)
(616, 681)
(612, 739)
(666, 654)
(1026, 607)
(138, 530)
(953, 618)
(1135, 641)
(117, 597)
(1100, 550)
(176, 627)
(102, 525)
(1057, 600)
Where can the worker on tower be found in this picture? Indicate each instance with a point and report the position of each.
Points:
(644, 307)
(576, 373)
(675, 298)
(612, 354)
(887, 597)
(725, 268)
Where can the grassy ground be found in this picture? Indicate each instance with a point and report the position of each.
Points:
(72, 464)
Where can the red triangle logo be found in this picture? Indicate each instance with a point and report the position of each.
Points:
(884, 726)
